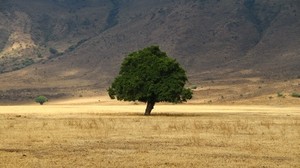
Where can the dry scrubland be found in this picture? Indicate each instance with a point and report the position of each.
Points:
(175, 136)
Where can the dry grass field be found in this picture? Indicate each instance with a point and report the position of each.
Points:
(58, 135)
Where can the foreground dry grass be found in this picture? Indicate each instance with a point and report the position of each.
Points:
(120, 136)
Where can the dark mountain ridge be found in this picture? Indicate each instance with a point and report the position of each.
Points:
(82, 43)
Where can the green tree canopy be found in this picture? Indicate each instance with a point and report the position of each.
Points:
(41, 99)
(150, 76)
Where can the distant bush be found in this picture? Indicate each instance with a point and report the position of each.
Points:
(54, 53)
(279, 94)
(39, 55)
(41, 99)
(296, 95)
(26, 62)
(73, 47)
(19, 64)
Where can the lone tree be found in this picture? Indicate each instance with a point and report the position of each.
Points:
(150, 76)
(41, 99)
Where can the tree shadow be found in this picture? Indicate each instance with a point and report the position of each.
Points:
(166, 114)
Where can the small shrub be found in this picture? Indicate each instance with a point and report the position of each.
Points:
(27, 62)
(53, 51)
(296, 95)
(71, 48)
(39, 55)
(279, 94)
(194, 87)
(41, 99)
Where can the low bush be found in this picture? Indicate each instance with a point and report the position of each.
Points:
(27, 62)
(41, 99)
(296, 95)
(53, 51)
(279, 94)
(194, 87)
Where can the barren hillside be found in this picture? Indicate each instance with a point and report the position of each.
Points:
(58, 46)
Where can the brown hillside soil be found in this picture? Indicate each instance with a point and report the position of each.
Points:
(118, 135)
(62, 44)
(249, 91)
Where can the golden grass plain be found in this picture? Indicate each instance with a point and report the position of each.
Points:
(118, 135)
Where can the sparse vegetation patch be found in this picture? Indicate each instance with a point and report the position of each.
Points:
(53, 51)
(280, 94)
(296, 95)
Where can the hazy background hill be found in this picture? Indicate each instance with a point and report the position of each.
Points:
(61, 45)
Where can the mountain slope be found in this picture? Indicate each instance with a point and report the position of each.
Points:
(74, 44)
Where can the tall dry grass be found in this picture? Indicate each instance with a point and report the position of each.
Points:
(163, 140)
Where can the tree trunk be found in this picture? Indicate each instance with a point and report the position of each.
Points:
(149, 107)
